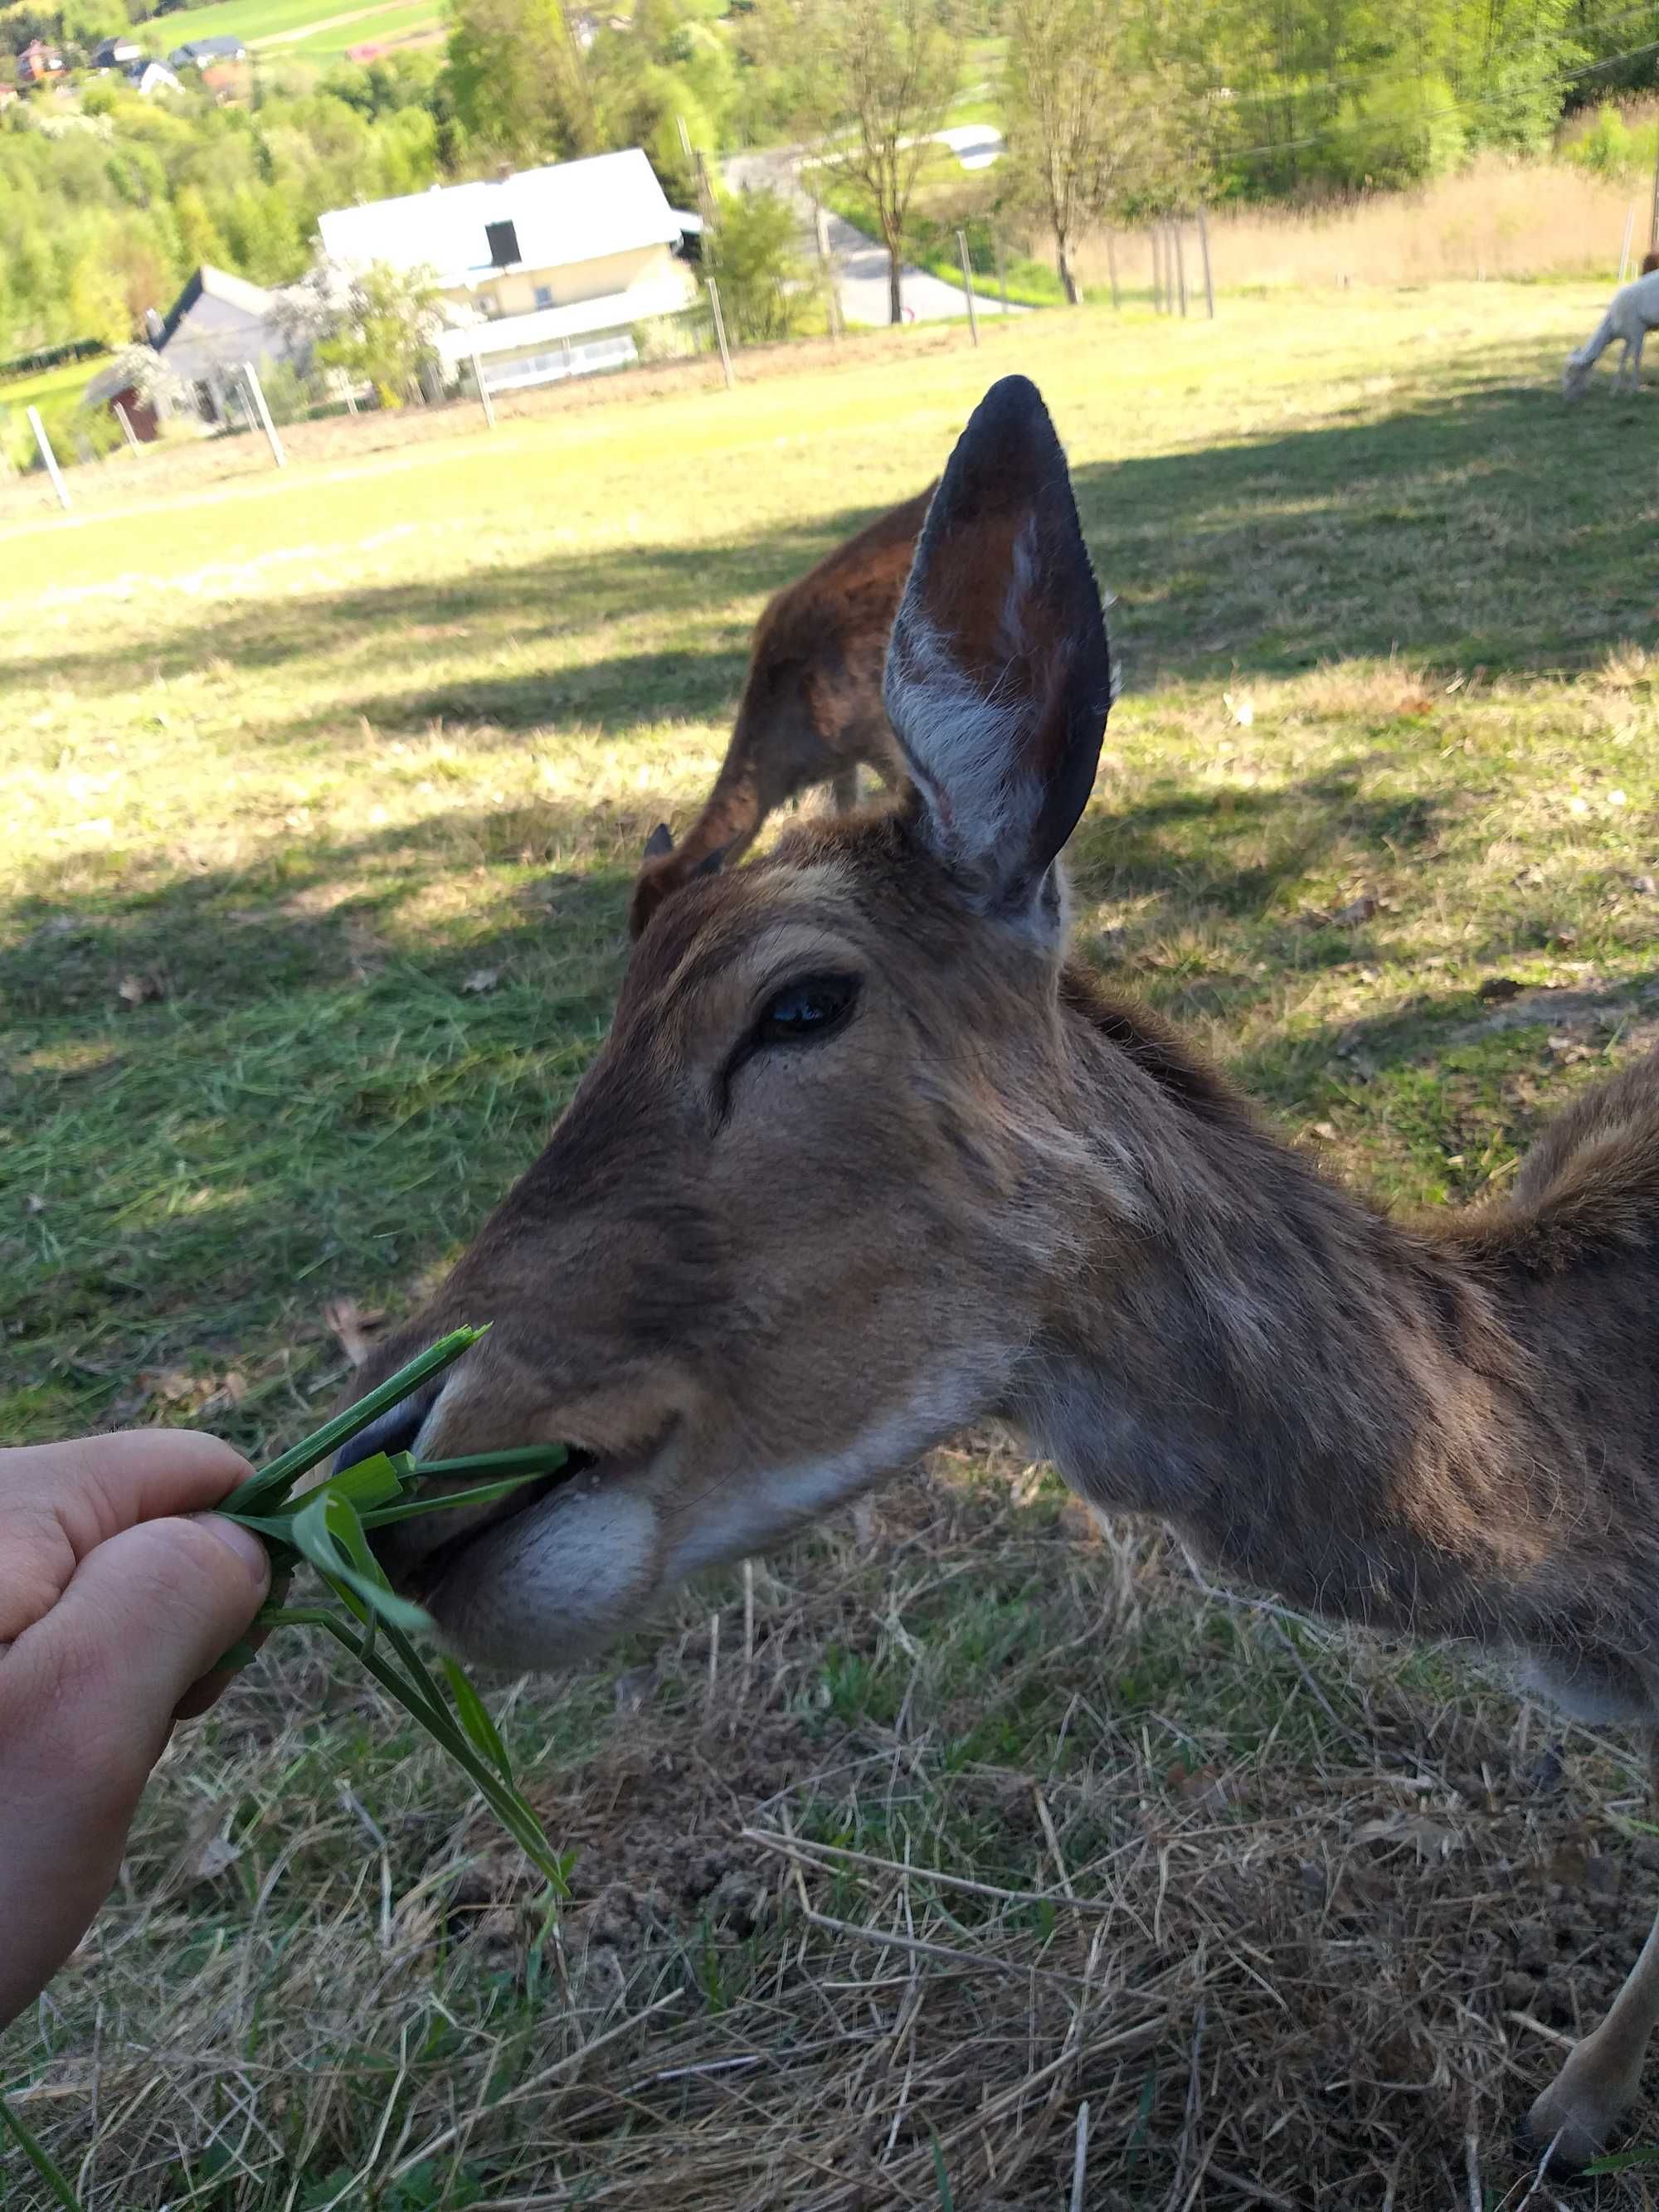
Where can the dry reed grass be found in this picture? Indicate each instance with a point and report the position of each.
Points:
(1497, 219)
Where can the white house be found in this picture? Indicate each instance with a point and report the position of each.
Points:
(216, 324)
(542, 275)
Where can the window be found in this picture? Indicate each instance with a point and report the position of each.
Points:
(544, 295)
(502, 240)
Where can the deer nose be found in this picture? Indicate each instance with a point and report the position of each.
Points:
(394, 1431)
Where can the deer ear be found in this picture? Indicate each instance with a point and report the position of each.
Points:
(659, 842)
(998, 677)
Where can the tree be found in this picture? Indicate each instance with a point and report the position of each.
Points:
(376, 325)
(518, 79)
(1077, 132)
(878, 77)
(756, 257)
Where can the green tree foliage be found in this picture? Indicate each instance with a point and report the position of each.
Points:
(757, 261)
(518, 79)
(1081, 138)
(376, 325)
(104, 216)
(877, 79)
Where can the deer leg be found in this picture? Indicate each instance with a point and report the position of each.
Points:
(1582, 2108)
(844, 788)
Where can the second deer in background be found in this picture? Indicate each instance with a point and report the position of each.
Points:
(812, 708)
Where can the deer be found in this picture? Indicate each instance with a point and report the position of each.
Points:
(1633, 314)
(811, 710)
(1030, 1202)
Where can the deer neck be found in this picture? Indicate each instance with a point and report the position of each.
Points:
(1320, 1401)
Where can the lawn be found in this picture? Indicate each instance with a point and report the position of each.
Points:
(317, 28)
(321, 796)
(56, 393)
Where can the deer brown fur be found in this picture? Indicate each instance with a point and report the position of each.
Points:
(812, 708)
(865, 1157)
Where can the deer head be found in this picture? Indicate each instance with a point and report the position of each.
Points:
(808, 1212)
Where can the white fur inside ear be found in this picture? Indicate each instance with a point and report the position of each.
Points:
(963, 742)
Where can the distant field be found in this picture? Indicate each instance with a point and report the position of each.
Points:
(57, 393)
(317, 29)
(321, 798)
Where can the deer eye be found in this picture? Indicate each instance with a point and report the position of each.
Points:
(803, 1012)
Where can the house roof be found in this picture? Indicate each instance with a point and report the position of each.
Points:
(215, 284)
(574, 211)
(221, 48)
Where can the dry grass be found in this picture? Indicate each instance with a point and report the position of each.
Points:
(1497, 220)
(889, 1864)
(935, 1830)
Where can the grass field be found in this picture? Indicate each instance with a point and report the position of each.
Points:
(56, 393)
(318, 30)
(321, 798)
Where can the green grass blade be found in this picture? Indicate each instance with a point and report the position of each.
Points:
(530, 1459)
(503, 1799)
(372, 1481)
(39, 2158)
(947, 2202)
(273, 1483)
(475, 1718)
(411, 1509)
(329, 1536)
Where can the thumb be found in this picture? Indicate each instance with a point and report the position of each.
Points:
(147, 1613)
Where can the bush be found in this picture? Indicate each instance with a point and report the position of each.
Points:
(758, 264)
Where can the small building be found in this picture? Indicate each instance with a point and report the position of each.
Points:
(541, 275)
(8, 94)
(199, 53)
(217, 322)
(117, 53)
(149, 77)
(38, 64)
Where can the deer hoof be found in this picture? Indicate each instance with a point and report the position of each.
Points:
(1572, 2123)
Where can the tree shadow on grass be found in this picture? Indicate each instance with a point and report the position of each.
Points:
(1492, 526)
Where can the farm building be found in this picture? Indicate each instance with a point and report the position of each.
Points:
(542, 275)
(38, 64)
(116, 53)
(216, 324)
(200, 53)
(147, 76)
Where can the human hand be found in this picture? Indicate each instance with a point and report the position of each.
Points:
(119, 1590)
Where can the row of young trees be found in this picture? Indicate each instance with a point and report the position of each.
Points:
(1113, 109)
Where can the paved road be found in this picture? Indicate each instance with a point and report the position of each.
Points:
(860, 263)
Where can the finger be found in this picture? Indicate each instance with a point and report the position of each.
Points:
(145, 1617)
(100, 1484)
(208, 1692)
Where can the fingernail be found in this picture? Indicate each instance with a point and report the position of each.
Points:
(246, 1546)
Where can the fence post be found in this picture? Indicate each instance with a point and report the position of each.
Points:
(1111, 270)
(720, 332)
(821, 236)
(484, 400)
(1158, 269)
(128, 432)
(263, 414)
(48, 456)
(968, 282)
(1204, 246)
(1623, 248)
(1653, 223)
(1175, 229)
